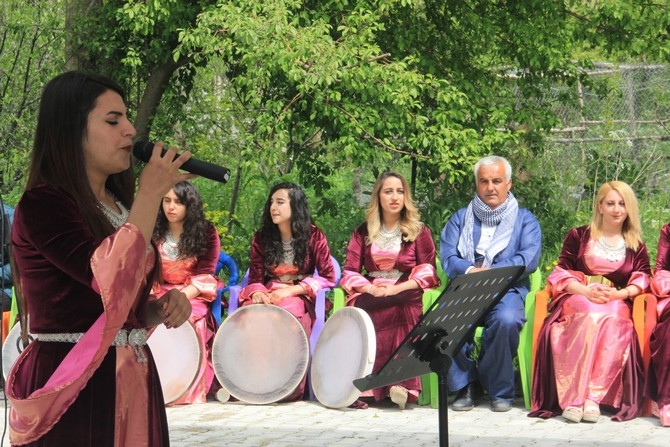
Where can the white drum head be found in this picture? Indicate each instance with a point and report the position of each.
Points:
(11, 349)
(345, 351)
(260, 354)
(177, 355)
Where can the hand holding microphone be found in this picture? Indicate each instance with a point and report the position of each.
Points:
(142, 150)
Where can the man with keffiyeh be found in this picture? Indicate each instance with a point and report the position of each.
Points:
(492, 231)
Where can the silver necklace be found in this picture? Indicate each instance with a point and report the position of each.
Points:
(389, 239)
(611, 252)
(115, 218)
(287, 252)
(171, 246)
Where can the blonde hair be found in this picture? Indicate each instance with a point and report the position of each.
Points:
(410, 220)
(632, 229)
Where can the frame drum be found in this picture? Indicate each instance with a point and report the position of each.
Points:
(178, 356)
(260, 354)
(11, 349)
(345, 351)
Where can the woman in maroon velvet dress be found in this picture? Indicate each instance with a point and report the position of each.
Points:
(658, 374)
(390, 261)
(189, 247)
(285, 254)
(588, 356)
(83, 254)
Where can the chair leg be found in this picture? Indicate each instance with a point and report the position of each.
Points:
(424, 396)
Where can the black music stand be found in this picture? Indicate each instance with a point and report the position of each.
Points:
(441, 332)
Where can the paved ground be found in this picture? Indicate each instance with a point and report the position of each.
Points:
(310, 424)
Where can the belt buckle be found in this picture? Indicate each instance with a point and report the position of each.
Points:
(137, 337)
(121, 338)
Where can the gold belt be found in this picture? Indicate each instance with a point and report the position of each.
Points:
(599, 279)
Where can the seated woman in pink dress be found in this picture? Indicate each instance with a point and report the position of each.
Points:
(588, 356)
(285, 254)
(390, 261)
(658, 375)
(189, 247)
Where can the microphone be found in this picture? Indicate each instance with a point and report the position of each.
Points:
(142, 150)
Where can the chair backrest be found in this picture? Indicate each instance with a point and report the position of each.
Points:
(336, 268)
(225, 260)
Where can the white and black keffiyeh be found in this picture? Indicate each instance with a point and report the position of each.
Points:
(502, 217)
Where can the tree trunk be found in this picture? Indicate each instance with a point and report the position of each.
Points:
(153, 92)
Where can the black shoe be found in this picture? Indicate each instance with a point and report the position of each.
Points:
(501, 406)
(466, 398)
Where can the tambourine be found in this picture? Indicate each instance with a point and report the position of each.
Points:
(11, 349)
(177, 354)
(260, 354)
(345, 351)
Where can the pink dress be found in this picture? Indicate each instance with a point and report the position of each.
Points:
(262, 279)
(179, 273)
(393, 317)
(658, 374)
(590, 343)
(90, 392)
(587, 350)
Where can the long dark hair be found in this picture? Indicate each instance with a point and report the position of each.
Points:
(194, 238)
(301, 227)
(58, 153)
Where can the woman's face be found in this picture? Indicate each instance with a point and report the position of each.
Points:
(392, 196)
(109, 138)
(280, 207)
(174, 210)
(613, 209)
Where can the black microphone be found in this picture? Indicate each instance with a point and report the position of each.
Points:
(143, 149)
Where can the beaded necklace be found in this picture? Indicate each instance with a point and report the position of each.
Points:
(388, 239)
(115, 218)
(611, 252)
(171, 246)
(287, 252)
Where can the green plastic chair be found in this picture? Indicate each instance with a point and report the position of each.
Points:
(524, 351)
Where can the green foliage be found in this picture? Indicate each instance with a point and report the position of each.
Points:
(330, 93)
(29, 56)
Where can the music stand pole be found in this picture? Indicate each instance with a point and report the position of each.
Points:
(440, 366)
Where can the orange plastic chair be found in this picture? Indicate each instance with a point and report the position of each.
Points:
(5, 325)
(644, 320)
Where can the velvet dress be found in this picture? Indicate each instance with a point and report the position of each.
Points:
(87, 393)
(179, 273)
(262, 279)
(658, 375)
(587, 350)
(392, 317)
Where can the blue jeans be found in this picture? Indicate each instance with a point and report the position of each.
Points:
(500, 341)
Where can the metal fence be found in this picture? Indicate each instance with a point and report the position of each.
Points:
(615, 127)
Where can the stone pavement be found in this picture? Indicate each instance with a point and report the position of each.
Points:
(310, 424)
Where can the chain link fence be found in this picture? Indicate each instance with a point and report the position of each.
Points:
(616, 127)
